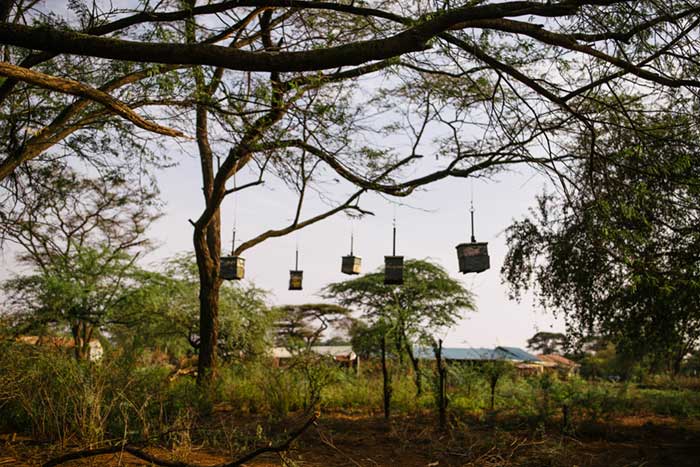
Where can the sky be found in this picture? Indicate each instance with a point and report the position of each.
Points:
(430, 224)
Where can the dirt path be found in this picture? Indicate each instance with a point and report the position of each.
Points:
(352, 441)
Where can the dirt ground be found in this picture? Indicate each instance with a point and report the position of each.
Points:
(343, 440)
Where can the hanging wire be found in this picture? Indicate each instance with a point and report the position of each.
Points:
(352, 235)
(296, 253)
(471, 209)
(235, 216)
(394, 239)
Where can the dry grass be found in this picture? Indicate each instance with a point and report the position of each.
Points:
(354, 441)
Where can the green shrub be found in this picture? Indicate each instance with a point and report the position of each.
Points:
(354, 392)
(50, 395)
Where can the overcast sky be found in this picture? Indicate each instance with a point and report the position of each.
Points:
(430, 224)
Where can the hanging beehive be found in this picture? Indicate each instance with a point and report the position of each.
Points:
(295, 279)
(393, 265)
(393, 270)
(296, 276)
(351, 264)
(232, 267)
(473, 256)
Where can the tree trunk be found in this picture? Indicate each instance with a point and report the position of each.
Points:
(77, 347)
(208, 250)
(87, 338)
(677, 360)
(82, 335)
(494, 382)
(387, 381)
(207, 232)
(442, 387)
(416, 368)
(399, 346)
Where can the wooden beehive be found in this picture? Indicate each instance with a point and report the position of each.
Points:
(351, 265)
(473, 257)
(393, 270)
(232, 268)
(295, 279)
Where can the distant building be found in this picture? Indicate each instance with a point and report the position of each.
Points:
(511, 354)
(556, 362)
(63, 344)
(343, 354)
(524, 362)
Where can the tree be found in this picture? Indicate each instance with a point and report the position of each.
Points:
(494, 371)
(547, 342)
(440, 382)
(365, 339)
(618, 255)
(169, 306)
(428, 301)
(304, 325)
(78, 237)
(483, 86)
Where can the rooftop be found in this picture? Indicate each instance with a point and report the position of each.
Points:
(478, 353)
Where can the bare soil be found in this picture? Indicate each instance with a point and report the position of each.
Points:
(340, 440)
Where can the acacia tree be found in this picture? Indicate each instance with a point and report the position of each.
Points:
(168, 305)
(547, 342)
(495, 84)
(618, 255)
(493, 371)
(79, 238)
(306, 324)
(428, 301)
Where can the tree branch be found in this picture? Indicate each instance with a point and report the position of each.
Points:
(413, 39)
(75, 88)
(141, 454)
(296, 225)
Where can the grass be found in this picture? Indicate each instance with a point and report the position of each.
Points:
(51, 397)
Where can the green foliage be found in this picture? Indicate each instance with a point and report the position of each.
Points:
(54, 397)
(168, 303)
(79, 237)
(366, 339)
(547, 342)
(304, 325)
(618, 254)
(81, 292)
(429, 300)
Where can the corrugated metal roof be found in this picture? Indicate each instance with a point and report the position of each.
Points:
(332, 350)
(557, 359)
(515, 353)
(477, 353)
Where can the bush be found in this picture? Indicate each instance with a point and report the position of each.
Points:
(49, 395)
(53, 397)
(353, 392)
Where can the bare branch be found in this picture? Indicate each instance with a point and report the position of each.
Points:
(141, 454)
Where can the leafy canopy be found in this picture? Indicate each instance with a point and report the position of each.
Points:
(618, 253)
(428, 301)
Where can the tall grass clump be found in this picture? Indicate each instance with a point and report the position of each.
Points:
(51, 396)
(48, 394)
